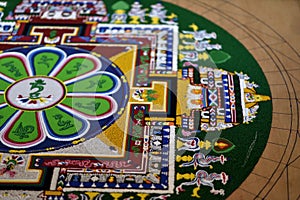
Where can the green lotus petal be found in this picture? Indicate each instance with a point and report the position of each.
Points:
(90, 106)
(5, 113)
(3, 85)
(75, 68)
(2, 99)
(25, 129)
(45, 62)
(12, 67)
(62, 123)
(99, 83)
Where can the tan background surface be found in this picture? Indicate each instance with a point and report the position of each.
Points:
(270, 30)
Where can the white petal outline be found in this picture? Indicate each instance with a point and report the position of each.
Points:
(58, 69)
(115, 88)
(114, 109)
(11, 122)
(87, 128)
(3, 105)
(6, 78)
(45, 49)
(23, 59)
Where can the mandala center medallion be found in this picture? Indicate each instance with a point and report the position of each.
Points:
(35, 93)
(51, 97)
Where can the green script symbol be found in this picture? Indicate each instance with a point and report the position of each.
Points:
(39, 85)
(94, 83)
(93, 106)
(44, 60)
(12, 68)
(63, 124)
(77, 68)
(23, 131)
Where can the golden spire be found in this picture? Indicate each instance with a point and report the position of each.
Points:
(251, 98)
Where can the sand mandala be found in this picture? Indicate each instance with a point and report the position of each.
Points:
(125, 100)
(53, 96)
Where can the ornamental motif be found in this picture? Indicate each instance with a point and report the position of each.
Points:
(51, 96)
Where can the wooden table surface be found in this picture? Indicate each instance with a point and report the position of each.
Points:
(270, 30)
